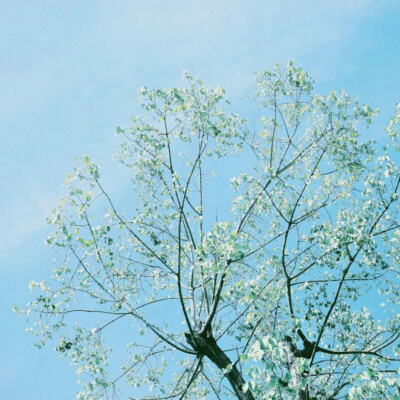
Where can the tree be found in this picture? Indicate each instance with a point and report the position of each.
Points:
(281, 299)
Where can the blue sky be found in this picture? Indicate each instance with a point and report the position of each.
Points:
(69, 72)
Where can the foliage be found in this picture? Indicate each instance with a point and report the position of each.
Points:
(294, 296)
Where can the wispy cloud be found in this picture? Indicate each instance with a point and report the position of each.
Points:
(225, 41)
(24, 217)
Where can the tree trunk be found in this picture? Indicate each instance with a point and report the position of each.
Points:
(207, 346)
(301, 394)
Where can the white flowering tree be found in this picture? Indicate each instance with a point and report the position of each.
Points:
(294, 296)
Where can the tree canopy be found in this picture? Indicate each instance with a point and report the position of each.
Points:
(291, 291)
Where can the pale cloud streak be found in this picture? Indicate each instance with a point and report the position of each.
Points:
(224, 42)
(24, 217)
